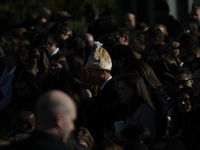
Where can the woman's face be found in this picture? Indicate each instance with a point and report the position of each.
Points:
(23, 89)
(54, 67)
(184, 104)
(125, 93)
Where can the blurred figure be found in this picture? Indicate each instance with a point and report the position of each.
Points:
(84, 137)
(195, 15)
(54, 123)
(162, 17)
(89, 42)
(130, 21)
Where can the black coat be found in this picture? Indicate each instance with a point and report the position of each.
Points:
(38, 141)
(103, 109)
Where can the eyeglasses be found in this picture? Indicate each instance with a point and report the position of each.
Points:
(183, 82)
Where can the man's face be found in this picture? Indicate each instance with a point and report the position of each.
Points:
(181, 80)
(68, 124)
(175, 54)
(195, 15)
(129, 20)
(95, 75)
(196, 84)
(149, 41)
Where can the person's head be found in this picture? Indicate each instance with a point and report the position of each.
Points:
(61, 33)
(108, 145)
(15, 52)
(175, 54)
(169, 143)
(189, 53)
(137, 133)
(196, 84)
(133, 91)
(168, 84)
(140, 67)
(163, 29)
(153, 36)
(59, 114)
(91, 12)
(195, 13)
(23, 122)
(26, 85)
(121, 56)
(161, 11)
(45, 42)
(121, 34)
(130, 20)
(136, 41)
(99, 65)
(105, 19)
(84, 137)
(88, 39)
(183, 78)
(57, 62)
(185, 99)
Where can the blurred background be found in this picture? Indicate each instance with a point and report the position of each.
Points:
(16, 12)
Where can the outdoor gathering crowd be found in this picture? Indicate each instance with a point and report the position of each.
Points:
(63, 90)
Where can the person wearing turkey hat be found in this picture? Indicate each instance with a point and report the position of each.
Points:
(103, 108)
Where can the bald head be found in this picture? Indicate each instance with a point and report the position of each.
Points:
(51, 103)
(56, 112)
(88, 39)
(24, 122)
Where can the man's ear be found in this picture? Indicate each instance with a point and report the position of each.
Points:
(126, 38)
(59, 119)
(29, 128)
(156, 40)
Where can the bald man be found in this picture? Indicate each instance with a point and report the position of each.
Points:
(23, 122)
(55, 112)
(89, 42)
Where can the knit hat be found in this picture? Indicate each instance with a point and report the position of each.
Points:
(83, 73)
(99, 59)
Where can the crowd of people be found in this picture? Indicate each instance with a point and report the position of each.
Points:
(63, 90)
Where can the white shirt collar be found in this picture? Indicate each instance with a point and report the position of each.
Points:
(57, 49)
(105, 82)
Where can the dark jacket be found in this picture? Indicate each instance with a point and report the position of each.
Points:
(103, 109)
(39, 141)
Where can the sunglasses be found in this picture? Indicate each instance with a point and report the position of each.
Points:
(183, 82)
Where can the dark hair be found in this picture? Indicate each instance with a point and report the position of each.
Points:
(92, 8)
(186, 71)
(141, 94)
(135, 145)
(137, 133)
(162, 6)
(19, 50)
(155, 32)
(140, 67)
(43, 39)
(170, 143)
(60, 58)
(107, 145)
(83, 134)
(119, 51)
(138, 35)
